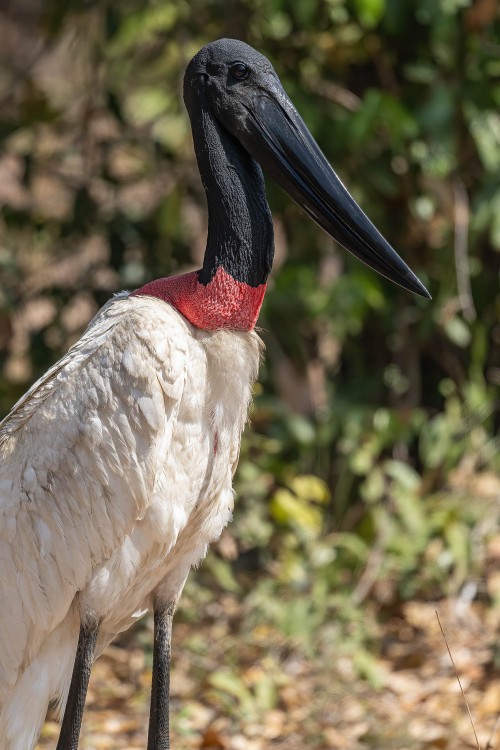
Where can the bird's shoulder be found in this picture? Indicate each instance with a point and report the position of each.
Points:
(132, 341)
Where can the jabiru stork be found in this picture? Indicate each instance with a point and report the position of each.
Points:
(116, 466)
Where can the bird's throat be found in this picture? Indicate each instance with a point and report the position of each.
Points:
(240, 228)
(222, 303)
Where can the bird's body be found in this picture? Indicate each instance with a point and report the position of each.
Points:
(116, 467)
(150, 409)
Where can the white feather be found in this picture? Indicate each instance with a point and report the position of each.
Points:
(115, 476)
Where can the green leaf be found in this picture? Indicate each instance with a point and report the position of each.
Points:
(230, 683)
(485, 129)
(369, 12)
(405, 476)
(288, 509)
(458, 331)
(310, 487)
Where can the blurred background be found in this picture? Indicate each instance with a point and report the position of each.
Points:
(368, 490)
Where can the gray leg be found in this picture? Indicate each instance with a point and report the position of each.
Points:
(72, 720)
(158, 737)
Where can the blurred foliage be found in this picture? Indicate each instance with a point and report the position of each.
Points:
(371, 472)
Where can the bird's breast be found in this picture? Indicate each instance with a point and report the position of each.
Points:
(193, 497)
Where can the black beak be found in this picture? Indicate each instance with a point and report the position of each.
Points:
(277, 137)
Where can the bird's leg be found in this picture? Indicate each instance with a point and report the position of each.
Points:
(158, 736)
(72, 720)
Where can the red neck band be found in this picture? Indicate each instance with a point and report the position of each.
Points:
(223, 303)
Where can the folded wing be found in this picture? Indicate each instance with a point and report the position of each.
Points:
(79, 456)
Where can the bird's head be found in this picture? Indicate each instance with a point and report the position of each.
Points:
(243, 92)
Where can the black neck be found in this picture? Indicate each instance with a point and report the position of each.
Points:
(240, 228)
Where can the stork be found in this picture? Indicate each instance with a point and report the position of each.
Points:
(116, 466)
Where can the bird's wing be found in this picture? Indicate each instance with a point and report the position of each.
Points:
(79, 456)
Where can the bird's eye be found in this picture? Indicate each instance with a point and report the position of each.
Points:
(240, 70)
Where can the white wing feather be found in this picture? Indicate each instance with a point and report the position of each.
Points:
(79, 457)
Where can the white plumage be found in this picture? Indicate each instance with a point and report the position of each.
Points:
(115, 475)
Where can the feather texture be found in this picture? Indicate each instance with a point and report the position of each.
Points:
(115, 475)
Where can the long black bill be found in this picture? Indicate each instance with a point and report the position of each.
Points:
(277, 137)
